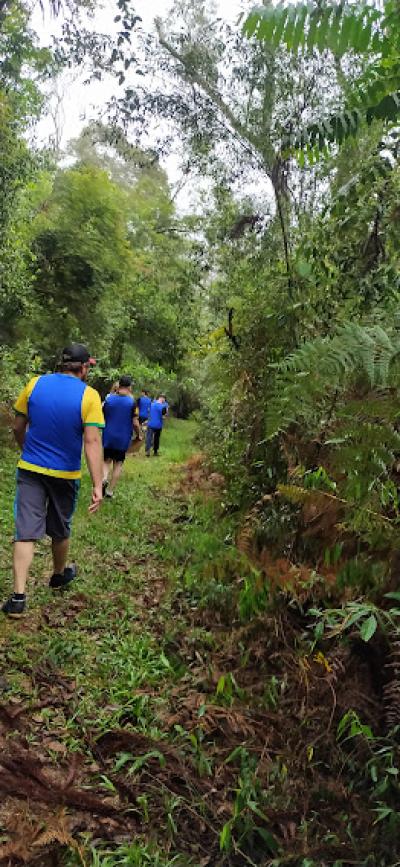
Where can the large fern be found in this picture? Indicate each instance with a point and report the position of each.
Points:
(338, 26)
(336, 407)
(308, 380)
(341, 27)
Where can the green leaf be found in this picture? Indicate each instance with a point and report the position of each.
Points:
(368, 628)
(303, 268)
(236, 753)
(123, 759)
(290, 27)
(312, 30)
(299, 30)
(382, 813)
(323, 30)
(393, 595)
(345, 34)
(280, 23)
(225, 837)
(268, 838)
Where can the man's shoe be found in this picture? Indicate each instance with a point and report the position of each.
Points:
(104, 487)
(147, 454)
(14, 607)
(58, 582)
(109, 495)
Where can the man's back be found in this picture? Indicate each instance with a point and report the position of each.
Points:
(118, 414)
(57, 406)
(156, 415)
(144, 404)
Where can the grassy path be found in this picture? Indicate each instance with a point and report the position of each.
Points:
(170, 709)
(92, 662)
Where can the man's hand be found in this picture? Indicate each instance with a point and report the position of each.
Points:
(94, 458)
(97, 496)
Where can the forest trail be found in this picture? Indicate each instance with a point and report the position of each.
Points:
(89, 662)
(155, 713)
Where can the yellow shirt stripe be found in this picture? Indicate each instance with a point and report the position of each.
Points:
(46, 471)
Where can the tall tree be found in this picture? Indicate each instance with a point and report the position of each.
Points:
(229, 99)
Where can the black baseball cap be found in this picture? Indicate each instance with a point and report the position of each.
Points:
(77, 352)
(125, 381)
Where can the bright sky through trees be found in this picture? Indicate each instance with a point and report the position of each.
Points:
(74, 104)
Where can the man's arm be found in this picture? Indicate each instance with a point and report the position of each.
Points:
(21, 408)
(94, 459)
(19, 429)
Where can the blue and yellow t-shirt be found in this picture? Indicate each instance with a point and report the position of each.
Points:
(58, 406)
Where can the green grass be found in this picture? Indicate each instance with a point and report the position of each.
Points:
(113, 634)
(106, 547)
(131, 855)
(160, 637)
(128, 555)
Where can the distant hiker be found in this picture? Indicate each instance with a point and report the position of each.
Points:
(119, 414)
(54, 414)
(165, 404)
(155, 425)
(143, 404)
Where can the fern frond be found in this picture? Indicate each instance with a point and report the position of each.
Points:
(315, 137)
(308, 378)
(303, 496)
(341, 27)
(360, 28)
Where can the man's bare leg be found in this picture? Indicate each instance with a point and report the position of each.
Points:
(60, 555)
(106, 470)
(117, 470)
(22, 559)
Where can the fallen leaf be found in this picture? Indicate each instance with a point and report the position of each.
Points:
(56, 747)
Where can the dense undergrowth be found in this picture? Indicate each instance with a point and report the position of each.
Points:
(186, 704)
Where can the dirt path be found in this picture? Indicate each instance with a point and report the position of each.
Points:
(83, 678)
(166, 711)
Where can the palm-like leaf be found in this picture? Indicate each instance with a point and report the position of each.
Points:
(341, 28)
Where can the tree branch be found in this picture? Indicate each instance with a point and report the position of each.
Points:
(195, 77)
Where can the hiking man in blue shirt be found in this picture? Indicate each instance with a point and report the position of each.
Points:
(119, 415)
(55, 414)
(155, 425)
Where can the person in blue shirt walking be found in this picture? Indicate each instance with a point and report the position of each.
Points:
(119, 415)
(143, 405)
(155, 425)
(165, 403)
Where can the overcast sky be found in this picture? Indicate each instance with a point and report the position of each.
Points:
(80, 103)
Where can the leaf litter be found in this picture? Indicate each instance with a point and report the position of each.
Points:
(124, 781)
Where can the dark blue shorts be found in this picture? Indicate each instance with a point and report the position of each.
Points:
(115, 455)
(44, 505)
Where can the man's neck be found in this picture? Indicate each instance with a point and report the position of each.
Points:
(71, 373)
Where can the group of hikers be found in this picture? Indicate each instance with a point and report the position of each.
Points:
(126, 419)
(55, 415)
